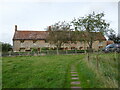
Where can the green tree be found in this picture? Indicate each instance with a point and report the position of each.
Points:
(114, 38)
(59, 33)
(90, 25)
(5, 47)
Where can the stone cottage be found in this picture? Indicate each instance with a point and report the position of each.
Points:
(27, 40)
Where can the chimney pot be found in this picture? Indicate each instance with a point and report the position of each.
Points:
(49, 28)
(15, 27)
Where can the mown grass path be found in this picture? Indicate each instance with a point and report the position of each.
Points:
(72, 79)
(75, 83)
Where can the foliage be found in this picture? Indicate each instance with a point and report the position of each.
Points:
(114, 38)
(34, 50)
(5, 47)
(59, 33)
(90, 25)
(45, 48)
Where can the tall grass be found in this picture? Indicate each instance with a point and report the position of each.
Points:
(101, 71)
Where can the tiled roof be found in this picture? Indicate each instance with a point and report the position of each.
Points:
(98, 36)
(95, 36)
(30, 35)
(109, 42)
(41, 35)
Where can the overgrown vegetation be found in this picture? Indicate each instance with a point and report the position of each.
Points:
(115, 38)
(90, 26)
(101, 71)
(5, 47)
(59, 34)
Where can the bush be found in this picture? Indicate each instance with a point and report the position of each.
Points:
(45, 48)
(34, 49)
(5, 47)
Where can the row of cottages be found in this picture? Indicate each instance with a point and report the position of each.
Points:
(27, 40)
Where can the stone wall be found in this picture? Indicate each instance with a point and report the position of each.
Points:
(16, 45)
(28, 44)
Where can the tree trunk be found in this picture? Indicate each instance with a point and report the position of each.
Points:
(48, 52)
(40, 51)
(88, 56)
(57, 51)
(90, 45)
(75, 51)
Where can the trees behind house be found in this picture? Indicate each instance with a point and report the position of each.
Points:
(114, 38)
(59, 33)
(86, 29)
(90, 25)
(5, 47)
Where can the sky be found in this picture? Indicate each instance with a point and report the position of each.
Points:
(37, 15)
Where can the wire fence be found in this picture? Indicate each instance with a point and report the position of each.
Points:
(43, 52)
(58, 52)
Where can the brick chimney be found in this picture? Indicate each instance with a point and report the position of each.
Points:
(15, 27)
(49, 28)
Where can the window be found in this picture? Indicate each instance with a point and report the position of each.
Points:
(72, 48)
(66, 48)
(46, 41)
(28, 50)
(22, 41)
(34, 41)
(80, 48)
(100, 47)
(100, 44)
(22, 49)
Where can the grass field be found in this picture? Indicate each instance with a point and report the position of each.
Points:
(54, 71)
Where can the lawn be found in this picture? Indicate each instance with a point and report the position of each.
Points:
(36, 71)
(54, 71)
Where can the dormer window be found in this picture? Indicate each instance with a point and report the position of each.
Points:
(34, 41)
(22, 41)
(100, 44)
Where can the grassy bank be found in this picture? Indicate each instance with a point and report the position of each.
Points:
(101, 71)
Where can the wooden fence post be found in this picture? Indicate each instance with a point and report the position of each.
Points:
(57, 52)
(88, 56)
(75, 51)
(115, 56)
(40, 50)
(19, 54)
(66, 52)
(85, 51)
